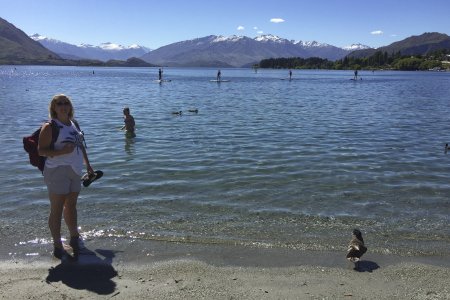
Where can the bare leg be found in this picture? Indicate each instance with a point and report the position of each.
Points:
(54, 219)
(70, 214)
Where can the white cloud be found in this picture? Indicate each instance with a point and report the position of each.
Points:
(241, 27)
(276, 20)
(258, 31)
(393, 35)
(377, 32)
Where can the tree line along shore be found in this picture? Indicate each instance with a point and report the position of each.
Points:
(437, 61)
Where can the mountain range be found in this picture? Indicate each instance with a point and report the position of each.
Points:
(17, 48)
(415, 45)
(210, 51)
(239, 51)
(103, 52)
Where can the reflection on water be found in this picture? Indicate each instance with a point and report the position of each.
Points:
(129, 145)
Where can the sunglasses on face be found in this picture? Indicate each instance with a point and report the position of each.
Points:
(63, 103)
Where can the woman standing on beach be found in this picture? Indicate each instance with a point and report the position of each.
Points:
(62, 172)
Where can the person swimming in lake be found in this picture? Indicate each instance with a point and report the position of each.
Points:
(129, 123)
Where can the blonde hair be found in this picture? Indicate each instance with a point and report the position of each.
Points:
(52, 107)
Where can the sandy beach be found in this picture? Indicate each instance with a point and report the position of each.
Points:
(179, 271)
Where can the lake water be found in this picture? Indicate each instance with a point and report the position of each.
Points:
(265, 162)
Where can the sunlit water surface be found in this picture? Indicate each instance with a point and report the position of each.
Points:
(265, 162)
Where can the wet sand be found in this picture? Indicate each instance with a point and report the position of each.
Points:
(191, 271)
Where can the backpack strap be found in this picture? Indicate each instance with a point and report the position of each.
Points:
(79, 129)
(55, 132)
(77, 125)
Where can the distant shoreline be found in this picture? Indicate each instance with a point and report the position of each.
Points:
(125, 65)
(131, 62)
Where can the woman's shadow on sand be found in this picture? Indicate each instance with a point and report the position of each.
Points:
(90, 272)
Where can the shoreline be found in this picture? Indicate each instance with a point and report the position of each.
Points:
(138, 251)
(177, 271)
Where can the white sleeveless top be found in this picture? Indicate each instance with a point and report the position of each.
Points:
(68, 134)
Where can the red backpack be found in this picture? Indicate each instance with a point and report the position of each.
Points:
(30, 144)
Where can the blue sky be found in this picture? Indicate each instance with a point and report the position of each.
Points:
(155, 23)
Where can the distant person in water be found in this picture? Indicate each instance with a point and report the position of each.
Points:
(219, 75)
(160, 73)
(356, 75)
(290, 74)
(129, 123)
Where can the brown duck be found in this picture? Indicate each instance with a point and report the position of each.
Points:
(356, 247)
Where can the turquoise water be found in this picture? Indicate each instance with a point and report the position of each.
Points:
(265, 162)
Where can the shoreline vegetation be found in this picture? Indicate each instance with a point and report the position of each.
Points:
(378, 61)
(53, 61)
(436, 61)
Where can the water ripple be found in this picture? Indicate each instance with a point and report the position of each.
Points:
(264, 161)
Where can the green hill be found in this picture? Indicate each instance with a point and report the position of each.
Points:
(17, 48)
(423, 44)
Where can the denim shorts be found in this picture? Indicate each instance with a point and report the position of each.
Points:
(62, 180)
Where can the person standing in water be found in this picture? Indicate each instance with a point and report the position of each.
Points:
(356, 75)
(129, 123)
(290, 74)
(160, 73)
(219, 75)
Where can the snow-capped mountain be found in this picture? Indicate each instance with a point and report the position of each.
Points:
(233, 38)
(103, 52)
(267, 38)
(238, 51)
(311, 44)
(209, 51)
(354, 47)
